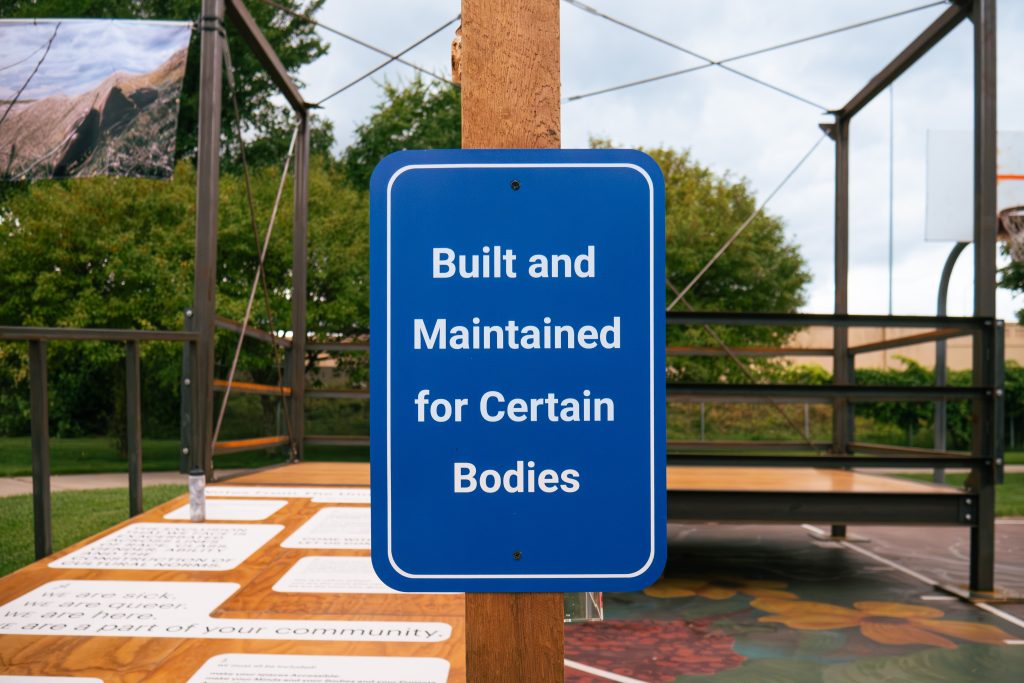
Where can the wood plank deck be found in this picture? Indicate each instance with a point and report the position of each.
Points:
(123, 659)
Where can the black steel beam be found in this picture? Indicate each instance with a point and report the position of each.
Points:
(862, 447)
(344, 347)
(753, 399)
(260, 46)
(911, 340)
(942, 509)
(819, 319)
(204, 289)
(91, 334)
(829, 391)
(682, 445)
(987, 424)
(133, 433)
(842, 369)
(300, 221)
(751, 352)
(834, 461)
(325, 440)
(40, 425)
(336, 393)
(223, 323)
(924, 42)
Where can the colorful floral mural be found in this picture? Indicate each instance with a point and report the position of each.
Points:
(797, 614)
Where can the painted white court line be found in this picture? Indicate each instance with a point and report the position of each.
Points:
(608, 675)
(939, 598)
(1013, 642)
(995, 611)
(1019, 623)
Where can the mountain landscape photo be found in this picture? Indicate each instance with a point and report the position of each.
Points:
(124, 124)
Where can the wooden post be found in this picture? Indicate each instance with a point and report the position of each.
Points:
(509, 62)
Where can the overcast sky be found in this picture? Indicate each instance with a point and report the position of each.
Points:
(739, 127)
(82, 54)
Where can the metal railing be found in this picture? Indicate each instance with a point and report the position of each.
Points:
(37, 338)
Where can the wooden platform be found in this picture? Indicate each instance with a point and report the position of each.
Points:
(695, 493)
(157, 659)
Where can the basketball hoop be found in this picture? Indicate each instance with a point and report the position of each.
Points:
(1011, 228)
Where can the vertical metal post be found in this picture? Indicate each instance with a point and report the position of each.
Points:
(702, 418)
(300, 229)
(841, 360)
(941, 423)
(986, 441)
(211, 25)
(133, 434)
(40, 448)
(189, 434)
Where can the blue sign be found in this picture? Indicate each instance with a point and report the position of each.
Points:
(518, 370)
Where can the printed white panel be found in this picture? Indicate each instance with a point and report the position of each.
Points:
(949, 192)
(336, 528)
(321, 574)
(187, 547)
(179, 609)
(233, 510)
(245, 668)
(352, 495)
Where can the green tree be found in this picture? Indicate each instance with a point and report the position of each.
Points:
(266, 123)
(1011, 277)
(418, 115)
(116, 252)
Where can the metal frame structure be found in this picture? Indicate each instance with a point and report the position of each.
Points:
(973, 507)
(201, 321)
(200, 385)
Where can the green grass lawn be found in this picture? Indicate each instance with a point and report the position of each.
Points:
(76, 515)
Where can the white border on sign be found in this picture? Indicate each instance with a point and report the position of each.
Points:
(391, 559)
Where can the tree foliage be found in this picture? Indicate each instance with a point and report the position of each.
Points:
(267, 123)
(762, 272)
(116, 252)
(1011, 277)
(415, 116)
(108, 252)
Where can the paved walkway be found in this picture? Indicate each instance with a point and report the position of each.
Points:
(14, 486)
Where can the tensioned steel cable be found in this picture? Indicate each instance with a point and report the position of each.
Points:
(392, 59)
(261, 274)
(681, 294)
(752, 53)
(675, 46)
(357, 41)
(750, 219)
(30, 76)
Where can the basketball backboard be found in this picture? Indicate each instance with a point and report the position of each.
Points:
(949, 192)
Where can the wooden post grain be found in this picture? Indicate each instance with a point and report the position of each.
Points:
(509, 60)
